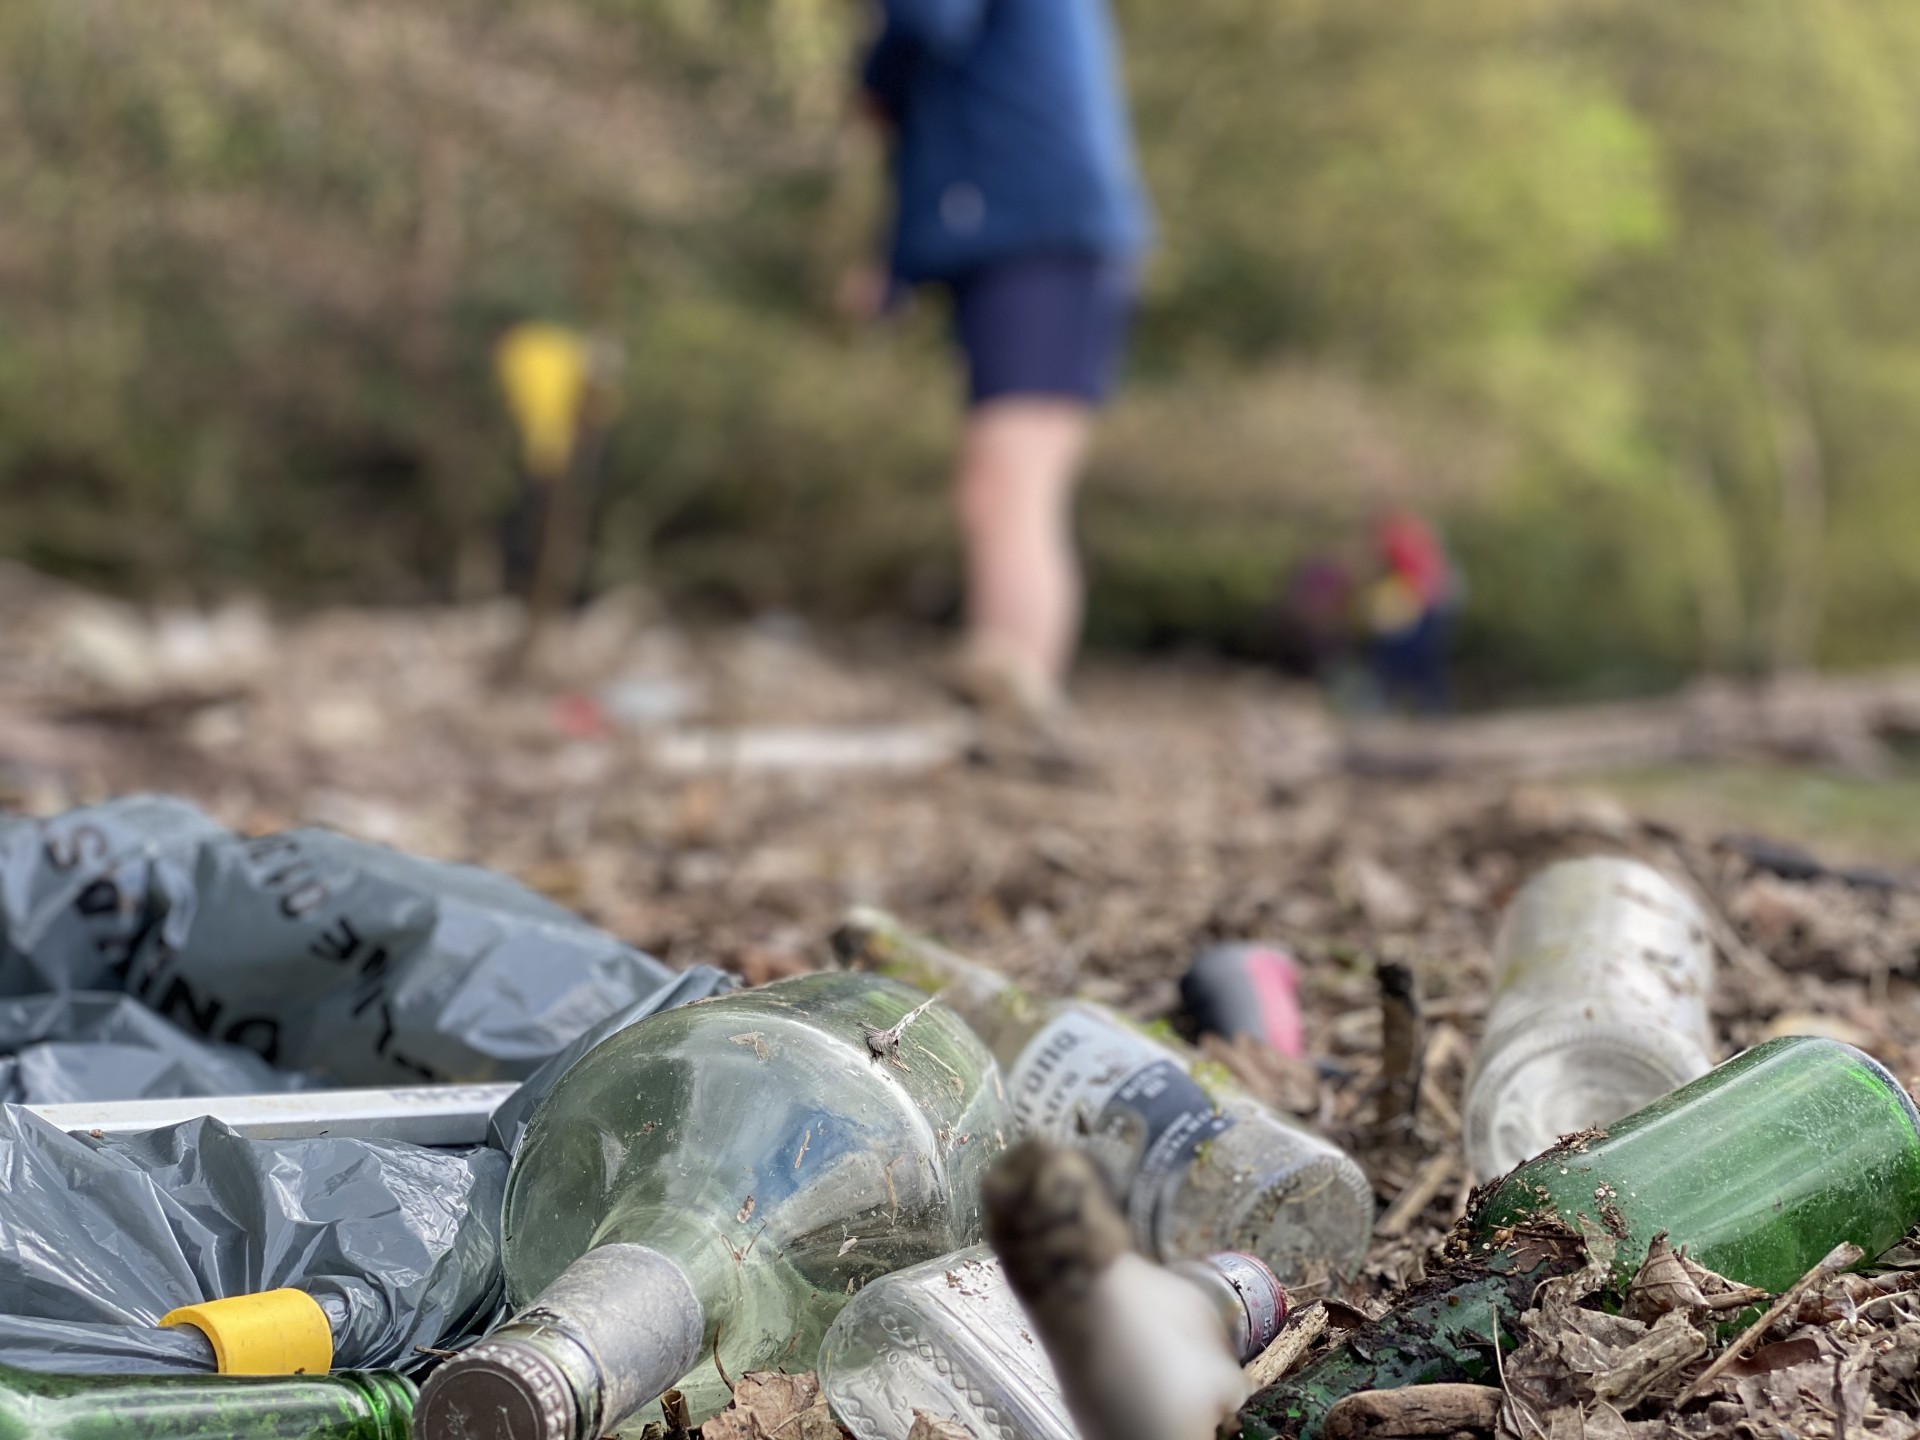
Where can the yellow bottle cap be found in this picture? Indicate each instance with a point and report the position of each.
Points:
(276, 1332)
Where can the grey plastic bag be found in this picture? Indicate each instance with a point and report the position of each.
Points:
(313, 950)
(100, 1238)
(92, 1045)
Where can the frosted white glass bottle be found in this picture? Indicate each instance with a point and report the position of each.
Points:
(949, 1338)
(1204, 1168)
(1603, 968)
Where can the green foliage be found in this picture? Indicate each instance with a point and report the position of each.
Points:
(1620, 289)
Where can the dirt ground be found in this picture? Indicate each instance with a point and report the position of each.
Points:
(724, 796)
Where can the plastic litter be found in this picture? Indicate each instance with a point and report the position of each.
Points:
(102, 1238)
(313, 950)
(444, 1115)
(275, 1332)
(1247, 989)
(95, 1045)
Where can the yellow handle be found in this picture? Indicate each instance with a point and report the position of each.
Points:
(276, 1332)
(545, 371)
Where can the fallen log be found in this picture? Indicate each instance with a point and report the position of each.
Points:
(1835, 719)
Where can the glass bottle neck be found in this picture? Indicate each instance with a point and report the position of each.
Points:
(618, 1327)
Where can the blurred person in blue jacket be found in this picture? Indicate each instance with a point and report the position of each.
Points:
(1016, 190)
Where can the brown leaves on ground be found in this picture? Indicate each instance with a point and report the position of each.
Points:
(930, 1427)
(387, 724)
(1843, 1359)
(768, 1405)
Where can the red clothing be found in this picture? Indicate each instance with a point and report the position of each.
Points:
(1414, 553)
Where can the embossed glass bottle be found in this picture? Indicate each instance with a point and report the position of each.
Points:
(949, 1338)
(352, 1405)
(704, 1190)
(1602, 973)
(1203, 1170)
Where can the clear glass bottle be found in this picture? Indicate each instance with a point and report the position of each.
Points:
(1204, 1169)
(1603, 968)
(352, 1405)
(1757, 1169)
(704, 1190)
(950, 1338)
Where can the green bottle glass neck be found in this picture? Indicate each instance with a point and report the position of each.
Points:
(1759, 1168)
(347, 1406)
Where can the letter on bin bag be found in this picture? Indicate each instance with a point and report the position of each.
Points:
(313, 950)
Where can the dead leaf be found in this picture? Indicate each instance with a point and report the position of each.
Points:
(1662, 1285)
(929, 1427)
(1778, 1356)
(1650, 1362)
(770, 1406)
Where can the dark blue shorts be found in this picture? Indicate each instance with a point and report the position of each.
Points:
(1043, 325)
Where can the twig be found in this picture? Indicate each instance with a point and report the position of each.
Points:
(673, 1408)
(1839, 1258)
(1429, 1182)
(1403, 1044)
(885, 1044)
(716, 1357)
(1520, 1409)
(1276, 1362)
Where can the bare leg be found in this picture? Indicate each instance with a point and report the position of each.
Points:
(1014, 488)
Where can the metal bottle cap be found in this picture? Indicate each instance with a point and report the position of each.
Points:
(1262, 1297)
(498, 1390)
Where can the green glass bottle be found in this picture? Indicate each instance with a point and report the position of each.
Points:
(1758, 1168)
(702, 1193)
(351, 1405)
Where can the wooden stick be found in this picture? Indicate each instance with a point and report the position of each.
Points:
(1839, 1258)
(1278, 1359)
(1403, 1044)
(1408, 1204)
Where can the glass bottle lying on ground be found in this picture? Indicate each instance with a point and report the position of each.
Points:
(1603, 967)
(1203, 1170)
(1758, 1169)
(949, 1338)
(352, 1405)
(703, 1191)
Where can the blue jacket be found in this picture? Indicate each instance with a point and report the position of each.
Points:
(1012, 133)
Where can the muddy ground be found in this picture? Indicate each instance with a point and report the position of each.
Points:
(629, 775)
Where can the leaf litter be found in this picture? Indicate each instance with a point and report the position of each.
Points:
(1214, 808)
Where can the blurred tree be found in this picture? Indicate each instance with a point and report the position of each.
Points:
(1619, 287)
